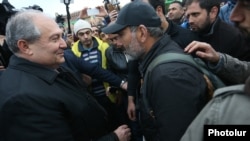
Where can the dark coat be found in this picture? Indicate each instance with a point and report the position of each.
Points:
(117, 62)
(180, 35)
(38, 104)
(175, 91)
(227, 39)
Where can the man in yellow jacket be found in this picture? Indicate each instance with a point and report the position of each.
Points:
(92, 49)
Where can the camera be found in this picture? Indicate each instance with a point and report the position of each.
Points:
(112, 5)
(6, 11)
(92, 11)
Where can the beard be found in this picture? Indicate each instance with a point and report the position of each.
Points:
(134, 49)
(203, 28)
(244, 31)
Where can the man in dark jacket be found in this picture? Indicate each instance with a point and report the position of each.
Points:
(229, 105)
(180, 35)
(203, 19)
(175, 91)
(40, 100)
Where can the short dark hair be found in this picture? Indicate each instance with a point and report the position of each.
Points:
(178, 2)
(206, 4)
(156, 3)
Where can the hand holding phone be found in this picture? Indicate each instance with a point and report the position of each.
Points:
(92, 11)
(111, 7)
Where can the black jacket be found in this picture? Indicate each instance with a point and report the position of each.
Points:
(175, 91)
(227, 39)
(117, 62)
(38, 104)
(178, 34)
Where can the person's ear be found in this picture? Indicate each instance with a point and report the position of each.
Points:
(142, 33)
(214, 12)
(24, 47)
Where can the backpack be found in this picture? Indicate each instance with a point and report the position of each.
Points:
(213, 81)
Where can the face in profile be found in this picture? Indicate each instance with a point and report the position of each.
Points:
(129, 40)
(49, 49)
(95, 31)
(241, 16)
(175, 12)
(115, 40)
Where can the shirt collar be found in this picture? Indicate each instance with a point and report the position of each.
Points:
(212, 28)
(46, 74)
(82, 48)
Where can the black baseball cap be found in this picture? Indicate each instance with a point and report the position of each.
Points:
(134, 14)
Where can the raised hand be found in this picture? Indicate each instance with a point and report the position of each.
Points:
(203, 50)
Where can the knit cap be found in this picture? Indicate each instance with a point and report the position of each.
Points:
(81, 24)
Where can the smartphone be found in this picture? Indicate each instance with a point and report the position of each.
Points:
(113, 89)
(111, 7)
(92, 11)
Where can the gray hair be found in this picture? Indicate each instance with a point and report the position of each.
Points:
(155, 32)
(21, 26)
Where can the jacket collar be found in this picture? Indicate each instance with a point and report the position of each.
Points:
(164, 44)
(82, 48)
(213, 27)
(171, 30)
(46, 74)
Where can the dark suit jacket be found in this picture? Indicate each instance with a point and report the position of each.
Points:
(38, 104)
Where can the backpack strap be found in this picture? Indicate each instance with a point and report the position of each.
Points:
(172, 57)
(163, 58)
(209, 77)
(187, 59)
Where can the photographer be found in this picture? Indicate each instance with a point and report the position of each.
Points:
(6, 11)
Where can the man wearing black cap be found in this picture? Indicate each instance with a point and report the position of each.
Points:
(180, 35)
(174, 91)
